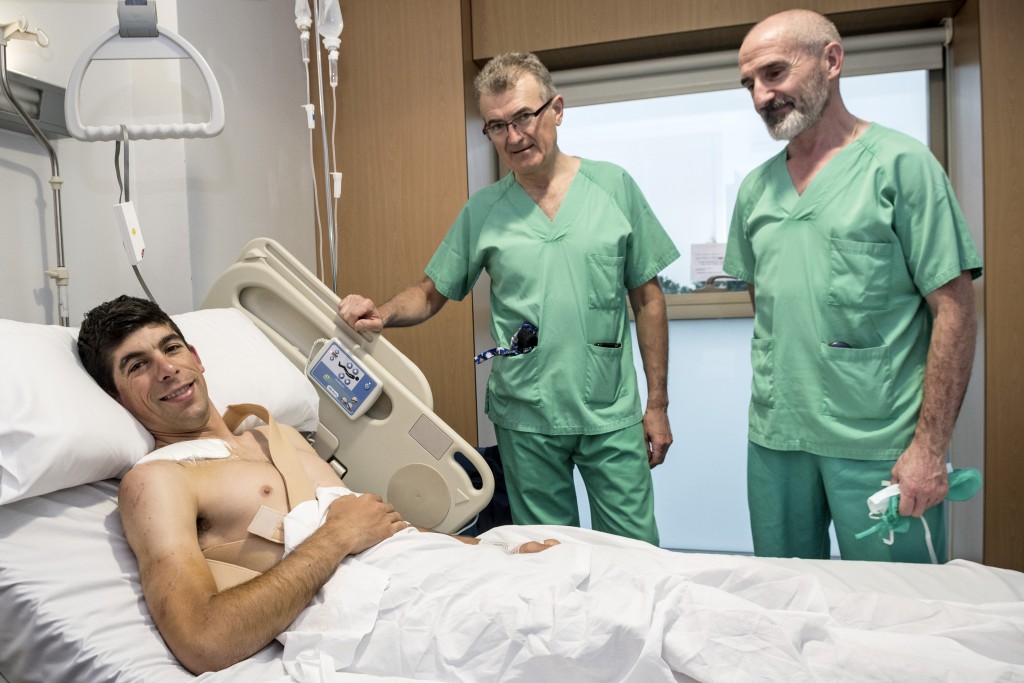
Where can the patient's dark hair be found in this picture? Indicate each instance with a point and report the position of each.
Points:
(106, 326)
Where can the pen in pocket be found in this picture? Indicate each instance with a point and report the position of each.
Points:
(608, 345)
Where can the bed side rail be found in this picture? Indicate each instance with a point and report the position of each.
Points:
(399, 449)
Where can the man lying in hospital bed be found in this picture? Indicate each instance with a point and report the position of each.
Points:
(624, 613)
(426, 606)
(205, 511)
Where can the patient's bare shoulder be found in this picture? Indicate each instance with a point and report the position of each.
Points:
(155, 484)
(150, 476)
(158, 507)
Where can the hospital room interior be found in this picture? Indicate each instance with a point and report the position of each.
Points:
(352, 164)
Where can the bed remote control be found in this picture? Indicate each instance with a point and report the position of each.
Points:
(344, 379)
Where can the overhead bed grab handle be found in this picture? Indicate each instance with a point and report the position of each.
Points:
(166, 45)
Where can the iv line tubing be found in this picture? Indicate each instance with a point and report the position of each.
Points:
(331, 196)
(55, 182)
(316, 197)
(327, 162)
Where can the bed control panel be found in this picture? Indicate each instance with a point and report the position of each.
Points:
(349, 383)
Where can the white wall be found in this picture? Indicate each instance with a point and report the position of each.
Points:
(199, 201)
(256, 180)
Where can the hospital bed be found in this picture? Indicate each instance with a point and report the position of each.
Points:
(71, 606)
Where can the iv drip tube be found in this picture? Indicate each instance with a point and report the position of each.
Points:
(304, 21)
(331, 228)
(60, 274)
(326, 18)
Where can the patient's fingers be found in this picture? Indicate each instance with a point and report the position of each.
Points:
(535, 546)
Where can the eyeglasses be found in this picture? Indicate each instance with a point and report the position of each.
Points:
(499, 129)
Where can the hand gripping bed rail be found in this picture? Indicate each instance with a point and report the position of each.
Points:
(167, 45)
(400, 449)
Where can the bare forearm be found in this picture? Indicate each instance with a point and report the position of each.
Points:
(413, 305)
(950, 356)
(921, 469)
(240, 621)
(223, 628)
(652, 339)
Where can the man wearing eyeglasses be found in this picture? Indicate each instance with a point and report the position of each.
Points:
(565, 241)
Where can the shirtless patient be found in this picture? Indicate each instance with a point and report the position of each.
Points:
(171, 510)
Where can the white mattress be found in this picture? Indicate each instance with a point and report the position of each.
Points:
(71, 606)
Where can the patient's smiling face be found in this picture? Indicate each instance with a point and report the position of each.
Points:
(159, 380)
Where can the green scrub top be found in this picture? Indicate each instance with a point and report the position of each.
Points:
(848, 261)
(568, 276)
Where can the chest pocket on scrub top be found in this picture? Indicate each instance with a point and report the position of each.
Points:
(605, 292)
(860, 274)
(604, 280)
(605, 298)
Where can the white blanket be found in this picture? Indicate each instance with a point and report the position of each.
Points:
(601, 608)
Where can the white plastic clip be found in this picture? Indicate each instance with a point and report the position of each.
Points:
(19, 29)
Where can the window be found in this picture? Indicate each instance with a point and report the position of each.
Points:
(688, 134)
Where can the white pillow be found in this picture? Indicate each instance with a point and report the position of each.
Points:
(243, 366)
(59, 429)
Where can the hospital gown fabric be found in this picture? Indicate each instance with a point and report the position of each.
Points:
(604, 608)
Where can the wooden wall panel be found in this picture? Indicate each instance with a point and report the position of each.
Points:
(574, 33)
(402, 150)
(1002, 101)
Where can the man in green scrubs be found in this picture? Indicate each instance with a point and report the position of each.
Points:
(859, 265)
(566, 241)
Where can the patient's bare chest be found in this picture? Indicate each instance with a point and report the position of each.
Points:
(231, 493)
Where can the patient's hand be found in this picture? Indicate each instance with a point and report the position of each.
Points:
(360, 313)
(535, 546)
(361, 522)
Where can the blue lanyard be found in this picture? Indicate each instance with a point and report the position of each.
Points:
(523, 341)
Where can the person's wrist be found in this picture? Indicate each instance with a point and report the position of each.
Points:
(507, 547)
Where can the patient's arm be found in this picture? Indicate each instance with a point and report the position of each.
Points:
(207, 630)
(409, 307)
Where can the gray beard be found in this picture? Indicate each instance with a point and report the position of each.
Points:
(791, 126)
(802, 117)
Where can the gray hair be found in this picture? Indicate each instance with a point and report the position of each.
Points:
(503, 72)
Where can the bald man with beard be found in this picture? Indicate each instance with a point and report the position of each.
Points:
(859, 265)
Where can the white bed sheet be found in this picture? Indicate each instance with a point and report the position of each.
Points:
(71, 606)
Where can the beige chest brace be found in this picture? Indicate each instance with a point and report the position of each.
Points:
(239, 561)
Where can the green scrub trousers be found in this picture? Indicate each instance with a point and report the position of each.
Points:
(540, 483)
(793, 495)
